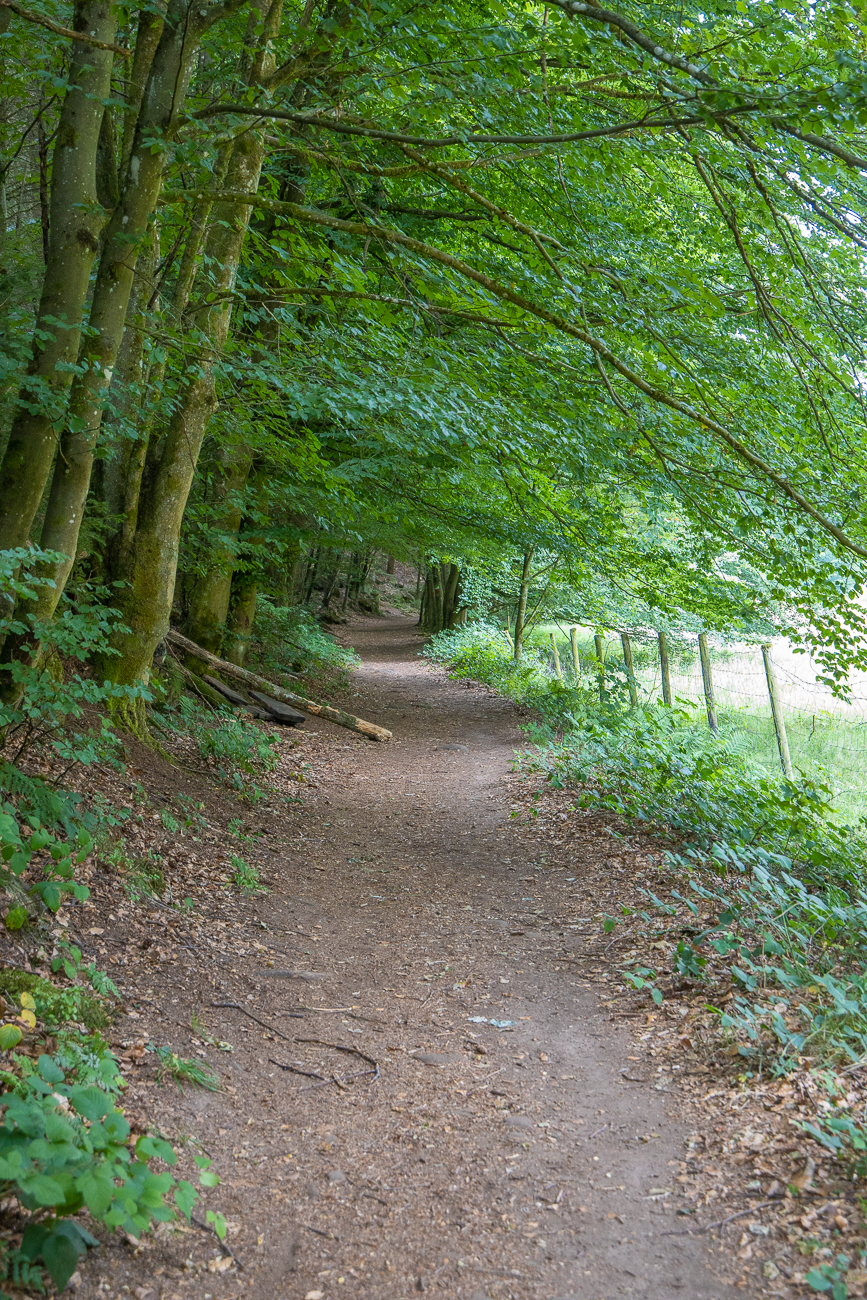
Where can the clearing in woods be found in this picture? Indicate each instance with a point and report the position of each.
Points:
(513, 1142)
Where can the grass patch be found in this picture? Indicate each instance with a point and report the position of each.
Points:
(183, 1069)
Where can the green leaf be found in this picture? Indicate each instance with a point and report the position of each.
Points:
(41, 1189)
(185, 1197)
(217, 1222)
(31, 1241)
(92, 1103)
(10, 1036)
(50, 1070)
(61, 1257)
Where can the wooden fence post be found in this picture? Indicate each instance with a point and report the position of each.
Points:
(599, 643)
(664, 669)
(630, 671)
(777, 712)
(557, 669)
(576, 662)
(707, 682)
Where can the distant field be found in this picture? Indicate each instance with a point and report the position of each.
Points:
(827, 737)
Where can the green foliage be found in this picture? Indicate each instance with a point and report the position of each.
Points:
(289, 639)
(245, 876)
(239, 749)
(41, 703)
(830, 1278)
(56, 1006)
(64, 1146)
(142, 873)
(184, 1069)
(29, 848)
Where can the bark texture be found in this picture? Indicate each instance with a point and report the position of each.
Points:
(208, 605)
(75, 222)
(163, 97)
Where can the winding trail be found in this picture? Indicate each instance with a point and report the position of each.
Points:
(515, 1142)
(516, 1162)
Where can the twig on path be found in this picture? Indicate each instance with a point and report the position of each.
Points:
(351, 1051)
(271, 1028)
(330, 1236)
(308, 1074)
(347, 1011)
(721, 1223)
(224, 1245)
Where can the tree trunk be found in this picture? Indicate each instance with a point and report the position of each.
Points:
(451, 580)
(172, 458)
(208, 606)
(432, 600)
(128, 386)
(161, 104)
(75, 222)
(312, 568)
(239, 629)
(523, 594)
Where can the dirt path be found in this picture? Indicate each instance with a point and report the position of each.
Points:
(515, 1142)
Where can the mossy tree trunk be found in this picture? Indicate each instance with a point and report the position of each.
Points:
(172, 458)
(242, 615)
(208, 606)
(166, 84)
(75, 222)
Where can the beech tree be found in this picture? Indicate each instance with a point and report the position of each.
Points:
(319, 281)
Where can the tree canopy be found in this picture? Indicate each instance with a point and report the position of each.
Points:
(284, 284)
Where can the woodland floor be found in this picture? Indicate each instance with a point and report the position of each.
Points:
(407, 912)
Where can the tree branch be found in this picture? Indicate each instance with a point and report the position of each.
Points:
(42, 21)
(309, 216)
(397, 137)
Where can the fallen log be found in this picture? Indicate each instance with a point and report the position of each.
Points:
(226, 691)
(282, 713)
(283, 696)
(263, 707)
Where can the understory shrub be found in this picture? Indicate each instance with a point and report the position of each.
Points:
(288, 639)
(238, 748)
(63, 1147)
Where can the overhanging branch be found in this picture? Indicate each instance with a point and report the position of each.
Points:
(309, 216)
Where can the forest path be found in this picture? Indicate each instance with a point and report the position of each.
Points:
(532, 1159)
(484, 1162)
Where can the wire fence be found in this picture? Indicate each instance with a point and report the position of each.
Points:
(826, 737)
